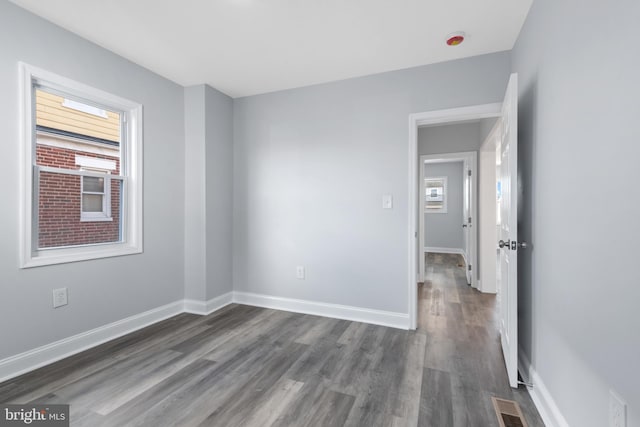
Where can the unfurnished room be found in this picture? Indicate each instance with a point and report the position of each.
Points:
(319, 213)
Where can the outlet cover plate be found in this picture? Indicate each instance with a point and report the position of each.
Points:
(59, 297)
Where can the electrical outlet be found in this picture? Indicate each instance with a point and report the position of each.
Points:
(300, 272)
(617, 410)
(59, 297)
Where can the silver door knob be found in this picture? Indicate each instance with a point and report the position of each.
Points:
(502, 244)
(523, 245)
(464, 225)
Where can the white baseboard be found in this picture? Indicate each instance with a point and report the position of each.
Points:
(19, 364)
(22, 363)
(337, 311)
(207, 307)
(549, 411)
(433, 249)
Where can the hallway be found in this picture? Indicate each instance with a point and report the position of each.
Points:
(463, 357)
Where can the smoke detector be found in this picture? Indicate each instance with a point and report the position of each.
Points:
(454, 39)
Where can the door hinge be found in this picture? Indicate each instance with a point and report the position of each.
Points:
(415, 234)
(469, 172)
(469, 220)
(469, 267)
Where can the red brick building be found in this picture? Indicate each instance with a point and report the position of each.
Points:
(83, 205)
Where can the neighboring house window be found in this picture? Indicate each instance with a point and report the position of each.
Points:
(435, 194)
(96, 189)
(82, 172)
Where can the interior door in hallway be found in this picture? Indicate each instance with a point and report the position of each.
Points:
(507, 187)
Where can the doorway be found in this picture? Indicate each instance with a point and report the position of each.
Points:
(416, 245)
(506, 203)
(448, 209)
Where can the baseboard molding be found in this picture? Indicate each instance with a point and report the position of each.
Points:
(549, 411)
(436, 250)
(22, 363)
(27, 361)
(337, 311)
(207, 307)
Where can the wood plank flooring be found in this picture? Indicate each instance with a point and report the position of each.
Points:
(248, 366)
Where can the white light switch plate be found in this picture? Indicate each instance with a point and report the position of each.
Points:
(387, 201)
(59, 297)
(300, 272)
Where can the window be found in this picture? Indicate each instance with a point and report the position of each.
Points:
(82, 177)
(435, 194)
(95, 191)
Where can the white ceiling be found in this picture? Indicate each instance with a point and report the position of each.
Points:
(247, 47)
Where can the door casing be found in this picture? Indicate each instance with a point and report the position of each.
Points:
(447, 116)
(470, 162)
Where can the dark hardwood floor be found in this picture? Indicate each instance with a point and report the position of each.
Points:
(248, 366)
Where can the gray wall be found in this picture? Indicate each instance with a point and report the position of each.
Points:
(311, 166)
(195, 209)
(444, 230)
(106, 290)
(455, 138)
(219, 192)
(208, 192)
(579, 138)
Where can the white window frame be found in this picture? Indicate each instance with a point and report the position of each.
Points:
(445, 194)
(131, 172)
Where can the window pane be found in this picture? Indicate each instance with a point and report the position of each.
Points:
(64, 132)
(60, 221)
(93, 184)
(91, 203)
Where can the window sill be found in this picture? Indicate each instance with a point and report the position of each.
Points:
(80, 253)
(96, 219)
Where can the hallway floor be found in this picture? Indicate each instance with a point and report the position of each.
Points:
(463, 356)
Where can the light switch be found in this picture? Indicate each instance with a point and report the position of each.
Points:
(387, 201)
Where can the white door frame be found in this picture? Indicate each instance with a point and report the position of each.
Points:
(469, 160)
(452, 115)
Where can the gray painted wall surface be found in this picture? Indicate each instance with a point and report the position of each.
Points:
(311, 166)
(444, 230)
(100, 291)
(455, 138)
(579, 138)
(208, 192)
(219, 192)
(195, 220)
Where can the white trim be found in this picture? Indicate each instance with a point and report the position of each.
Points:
(89, 109)
(76, 144)
(546, 406)
(95, 163)
(22, 363)
(208, 307)
(437, 250)
(132, 163)
(453, 115)
(336, 311)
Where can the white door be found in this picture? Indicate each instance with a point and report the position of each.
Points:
(507, 157)
(467, 221)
